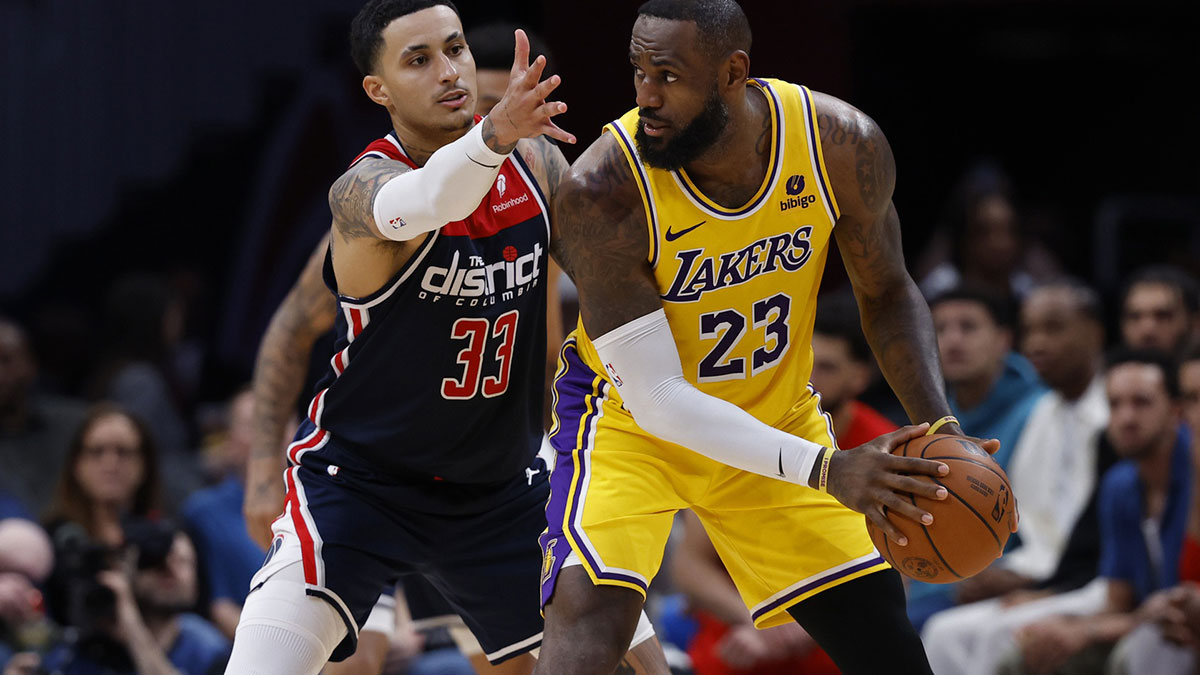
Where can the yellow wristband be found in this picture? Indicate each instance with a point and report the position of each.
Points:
(823, 474)
(948, 419)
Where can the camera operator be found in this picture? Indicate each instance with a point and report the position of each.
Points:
(133, 615)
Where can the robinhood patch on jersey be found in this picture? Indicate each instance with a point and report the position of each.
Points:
(698, 274)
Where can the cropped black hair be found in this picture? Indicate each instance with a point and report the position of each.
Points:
(1150, 357)
(366, 30)
(1166, 275)
(998, 307)
(722, 24)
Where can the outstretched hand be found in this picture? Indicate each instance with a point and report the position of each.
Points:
(523, 112)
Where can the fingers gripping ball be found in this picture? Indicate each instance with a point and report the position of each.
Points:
(970, 527)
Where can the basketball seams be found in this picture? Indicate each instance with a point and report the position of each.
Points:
(925, 530)
(960, 531)
(976, 462)
(927, 446)
(967, 504)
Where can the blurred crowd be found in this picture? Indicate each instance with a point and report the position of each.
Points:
(123, 548)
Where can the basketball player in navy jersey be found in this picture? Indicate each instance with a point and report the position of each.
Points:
(418, 452)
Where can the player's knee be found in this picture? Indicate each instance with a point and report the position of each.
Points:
(284, 630)
(599, 614)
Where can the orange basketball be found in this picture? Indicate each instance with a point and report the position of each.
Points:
(970, 526)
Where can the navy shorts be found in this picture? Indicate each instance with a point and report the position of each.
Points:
(357, 532)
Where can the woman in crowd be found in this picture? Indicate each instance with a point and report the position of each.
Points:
(110, 475)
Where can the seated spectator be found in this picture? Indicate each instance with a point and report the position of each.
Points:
(110, 474)
(213, 517)
(1143, 503)
(982, 241)
(26, 558)
(1160, 310)
(34, 429)
(1168, 641)
(1053, 464)
(726, 642)
(842, 370)
(141, 328)
(992, 391)
(137, 617)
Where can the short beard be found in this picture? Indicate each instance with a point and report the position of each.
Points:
(699, 135)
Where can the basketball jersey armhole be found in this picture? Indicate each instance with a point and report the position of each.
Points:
(385, 291)
(813, 132)
(643, 182)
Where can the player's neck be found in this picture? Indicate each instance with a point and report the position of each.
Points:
(420, 144)
(741, 153)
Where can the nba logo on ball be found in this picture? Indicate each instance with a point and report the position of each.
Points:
(970, 526)
(919, 568)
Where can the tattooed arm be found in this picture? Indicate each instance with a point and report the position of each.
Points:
(895, 316)
(549, 166)
(306, 313)
(386, 199)
(546, 162)
(602, 241)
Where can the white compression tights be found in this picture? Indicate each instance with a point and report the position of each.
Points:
(283, 630)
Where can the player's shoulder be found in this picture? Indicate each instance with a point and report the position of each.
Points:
(386, 148)
(862, 169)
(545, 161)
(602, 173)
(842, 126)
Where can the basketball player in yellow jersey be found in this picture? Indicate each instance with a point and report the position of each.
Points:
(696, 229)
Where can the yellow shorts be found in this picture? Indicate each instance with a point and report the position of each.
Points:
(615, 491)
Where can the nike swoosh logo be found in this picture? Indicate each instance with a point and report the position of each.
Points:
(672, 236)
(781, 473)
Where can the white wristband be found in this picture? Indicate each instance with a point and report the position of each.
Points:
(643, 361)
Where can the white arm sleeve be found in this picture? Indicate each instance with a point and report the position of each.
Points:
(448, 188)
(643, 362)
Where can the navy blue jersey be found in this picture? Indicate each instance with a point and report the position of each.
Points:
(441, 372)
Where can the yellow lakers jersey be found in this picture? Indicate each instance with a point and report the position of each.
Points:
(739, 285)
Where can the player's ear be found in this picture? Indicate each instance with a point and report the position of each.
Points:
(736, 69)
(375, 90)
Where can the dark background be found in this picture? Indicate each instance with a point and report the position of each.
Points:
(197, 140)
